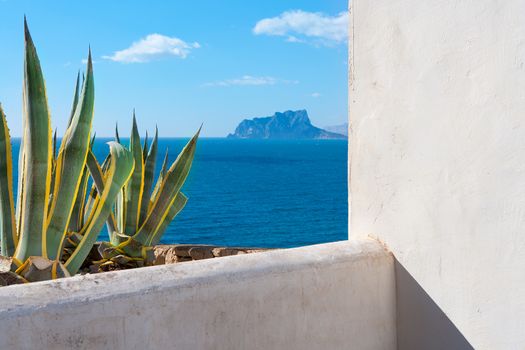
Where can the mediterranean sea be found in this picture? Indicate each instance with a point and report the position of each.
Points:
(257, 193)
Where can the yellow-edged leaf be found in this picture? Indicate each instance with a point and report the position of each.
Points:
(37, 154)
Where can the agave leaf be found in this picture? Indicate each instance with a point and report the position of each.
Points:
(54, 145)
(119, 172)
(71, 162)
(93, 192)
(120, 210)
(53, 169)
(36, 157)
(8, 236)
(162, 174)
(20, 189)
(134, 188)
(75, 100)
(170, 187)
(117, 137)
(149, 173)
(128, 247)
(37, 268)
(164, 168)
(79, 208)
(117, 225)
(96, 172)
(90, 199)
(77, 215)
(98, 182)
(145, 148)
(176, 207)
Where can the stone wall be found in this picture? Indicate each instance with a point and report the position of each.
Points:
(174, 253)
(331, 296)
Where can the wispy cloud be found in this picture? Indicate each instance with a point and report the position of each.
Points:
(315, 94)
(294, 39)
(297, 24)
(250, 80)
(153, 47)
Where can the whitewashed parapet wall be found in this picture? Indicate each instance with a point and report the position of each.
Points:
(437, 153)
(331, 296)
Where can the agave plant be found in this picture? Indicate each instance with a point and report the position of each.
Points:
(50, 185)
(142, 211)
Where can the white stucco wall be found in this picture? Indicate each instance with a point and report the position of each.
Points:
(437, 153)
(331, 296)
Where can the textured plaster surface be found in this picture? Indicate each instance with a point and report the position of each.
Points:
(331, 296)
(437, 153)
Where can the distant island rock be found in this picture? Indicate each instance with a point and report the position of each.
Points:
(338, 129)
(286, 125)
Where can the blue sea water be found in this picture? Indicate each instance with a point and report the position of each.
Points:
(258, 193)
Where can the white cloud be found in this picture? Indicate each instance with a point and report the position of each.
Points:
(297, 23)
(250, 80)
(294, 39)
(315, 94)
(152, 47)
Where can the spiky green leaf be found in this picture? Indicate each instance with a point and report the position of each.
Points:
(98, 181)
(169, 189)
(75, 100)
(162, 174)
(37, 151)
(71, 162)
(54, 145)
(134, 188)
(175, 209)
(119, 172)
(145, 148)
(149, 173)
(117, 137)
(8, 234)
(77, 215)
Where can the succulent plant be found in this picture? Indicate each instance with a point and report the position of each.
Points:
(142, 211)
(51, 187)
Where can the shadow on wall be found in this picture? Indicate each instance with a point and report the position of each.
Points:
(420, 322)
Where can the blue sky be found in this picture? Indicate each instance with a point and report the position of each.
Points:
(180, 63)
